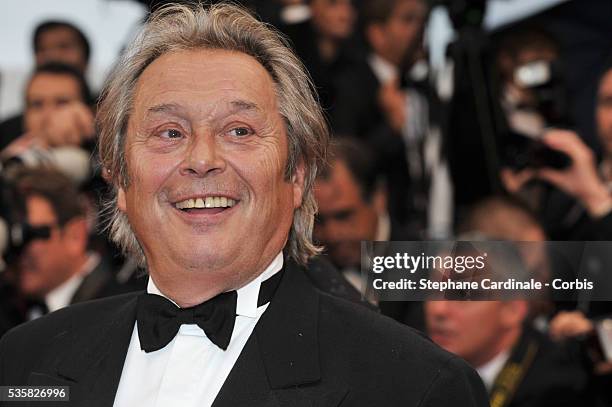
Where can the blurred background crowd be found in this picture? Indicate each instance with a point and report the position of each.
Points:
(450, 119)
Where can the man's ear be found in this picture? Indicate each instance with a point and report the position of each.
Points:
(121, 202)
(297, 179)
(514, 312)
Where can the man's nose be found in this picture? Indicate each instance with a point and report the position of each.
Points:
(437, 309)
(46, 112)
(203, 156)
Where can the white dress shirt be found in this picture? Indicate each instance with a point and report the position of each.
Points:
(490, 370)
(190, 370)
(384, 70)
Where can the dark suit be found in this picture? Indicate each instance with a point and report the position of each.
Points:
(304, 38)
(99, 283)
(553, 376)
(308, 349)
(9, 313)
(10, 129)
(357, 113)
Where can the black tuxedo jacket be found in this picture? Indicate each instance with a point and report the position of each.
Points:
(356, 113)
(308, 349)
(556, 377)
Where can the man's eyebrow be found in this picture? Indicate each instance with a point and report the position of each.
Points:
(164, 108)
(235, 106)
(239, 105)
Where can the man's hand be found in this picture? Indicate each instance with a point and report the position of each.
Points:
(568, 325)
(70, 126)
(392, 101)
(571, 324)
(514, 181)
(581, 179)
(22, 144)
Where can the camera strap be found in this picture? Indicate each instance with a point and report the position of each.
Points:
(512, 374)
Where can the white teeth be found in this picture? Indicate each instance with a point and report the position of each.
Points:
(208, 202)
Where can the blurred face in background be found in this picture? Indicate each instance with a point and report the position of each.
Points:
(61, 44)
(344, 218)
(401, 33)
(604, 112)
(46, 94)
(44, 263)
(476, 331)
(333, 18)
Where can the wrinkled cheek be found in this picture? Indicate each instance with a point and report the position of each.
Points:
(32, 122)
(147, 177)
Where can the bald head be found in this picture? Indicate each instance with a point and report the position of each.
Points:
(503, 218)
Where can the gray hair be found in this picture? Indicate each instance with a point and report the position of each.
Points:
(223, 27)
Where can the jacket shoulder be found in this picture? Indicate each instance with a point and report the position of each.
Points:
(385, 358)
(25, 345)
(66, 318)
(347, 320)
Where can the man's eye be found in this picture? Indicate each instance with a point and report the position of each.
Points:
(171, 133)
(240, 132)
(344, 215)
(35, 104)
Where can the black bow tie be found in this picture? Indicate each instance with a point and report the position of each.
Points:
(159, 319)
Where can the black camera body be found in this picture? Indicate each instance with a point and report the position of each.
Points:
(524, 149)
(15, 232)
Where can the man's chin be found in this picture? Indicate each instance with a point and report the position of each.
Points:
(198, 255)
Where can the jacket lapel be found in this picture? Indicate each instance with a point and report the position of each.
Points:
(279, 365)
(93, 283)
(90, 361)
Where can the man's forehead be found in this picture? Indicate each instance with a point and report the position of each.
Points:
(45, 83)
(606, 83)
(339, 187)
(210, 79)
(56, 33)
(40, 209)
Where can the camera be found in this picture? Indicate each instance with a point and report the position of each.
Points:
(543, 105)
(15, 232)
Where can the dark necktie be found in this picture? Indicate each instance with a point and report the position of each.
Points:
(159, 319)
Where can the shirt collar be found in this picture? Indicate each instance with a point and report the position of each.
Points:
(489, 371)
(246, 304)
(383, 228)
(384, 70)
(61, 295)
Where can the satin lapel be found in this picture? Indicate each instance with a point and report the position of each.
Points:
(91, 359)
(279, 365)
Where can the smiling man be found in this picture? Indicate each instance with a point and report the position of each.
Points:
(212, 138)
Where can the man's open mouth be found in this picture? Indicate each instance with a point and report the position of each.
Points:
(209, 204)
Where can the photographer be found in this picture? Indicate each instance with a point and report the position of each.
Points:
(590, 186)
(57, 113)
(580, 180)
(590, 218)
(52, 41)
(53, 266)
(532, 98)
